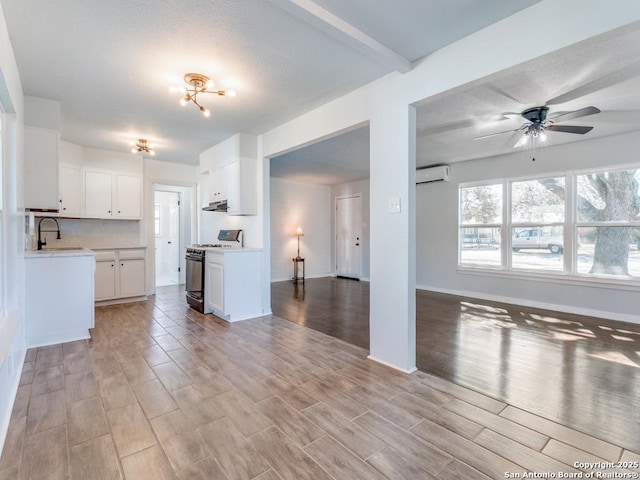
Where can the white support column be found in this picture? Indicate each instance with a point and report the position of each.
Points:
(392, 316)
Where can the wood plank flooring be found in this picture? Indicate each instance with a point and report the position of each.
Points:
(261, 399)
(578, 371)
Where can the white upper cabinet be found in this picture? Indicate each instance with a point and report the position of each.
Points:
(112, 195)
(41, 168)
(97, 194)
(217, 184)
(70, 191)
(241, 180)
(128, 197)
(233, 173)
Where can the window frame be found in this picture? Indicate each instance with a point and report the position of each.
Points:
(569, 274)
(480, 225)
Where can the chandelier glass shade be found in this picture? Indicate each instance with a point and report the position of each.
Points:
(197, 84)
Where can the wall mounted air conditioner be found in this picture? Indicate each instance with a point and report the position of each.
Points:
(432, 174)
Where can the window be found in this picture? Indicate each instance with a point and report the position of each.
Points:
(585, 223)
(608, 223)
(537, 221)
(480, 226)
(156, 219)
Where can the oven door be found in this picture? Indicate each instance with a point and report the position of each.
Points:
(194, 277)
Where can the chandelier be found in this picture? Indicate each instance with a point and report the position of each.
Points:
(142, 146)
(197, 84)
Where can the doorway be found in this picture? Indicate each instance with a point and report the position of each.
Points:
(348, 236)
(167, 237)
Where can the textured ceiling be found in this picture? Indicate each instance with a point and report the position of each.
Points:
(344, 158)
(433, 24)
(602, 72)
(111, 63)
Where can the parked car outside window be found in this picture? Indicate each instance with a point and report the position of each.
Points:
(537, 238)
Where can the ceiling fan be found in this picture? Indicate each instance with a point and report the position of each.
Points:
(537, 124)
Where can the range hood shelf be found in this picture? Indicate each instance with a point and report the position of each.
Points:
(220, 206)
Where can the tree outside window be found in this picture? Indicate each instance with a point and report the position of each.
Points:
(608, 221)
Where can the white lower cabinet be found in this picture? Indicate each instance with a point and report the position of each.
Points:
(105, 277)
(233, 283)
(59, 297)
(120, 274)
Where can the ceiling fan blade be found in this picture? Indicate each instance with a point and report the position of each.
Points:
(569, 129)
(497, 133)
(614, 78)
(583, 112)
(524, 139)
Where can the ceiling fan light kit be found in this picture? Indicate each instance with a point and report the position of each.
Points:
(197, 84)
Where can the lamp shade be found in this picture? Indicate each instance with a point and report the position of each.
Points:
(299, 232)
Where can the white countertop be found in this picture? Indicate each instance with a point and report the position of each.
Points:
(61, 252)
(119, 247)
(228, 250)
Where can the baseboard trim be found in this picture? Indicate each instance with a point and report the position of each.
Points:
(307, 277)
(606, 315)
(391, 365)
(115, 301)
(5, 418)
(54, 339)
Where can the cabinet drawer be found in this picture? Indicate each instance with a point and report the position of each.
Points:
(131, 254)
(109, 256)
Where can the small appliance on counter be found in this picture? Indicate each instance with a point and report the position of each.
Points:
(195, 257)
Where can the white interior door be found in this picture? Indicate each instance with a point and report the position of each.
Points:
(167, 230)
(348, 235)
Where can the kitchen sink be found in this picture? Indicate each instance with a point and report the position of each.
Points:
(61, 249)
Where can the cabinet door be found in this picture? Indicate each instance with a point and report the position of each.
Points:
(222, 182)
(70, 191)
(128, 202)
(132, 275)
(214, 282)
(41, 168)
(105, 280)
(217, 186)
(232, 182)
(214, 194)
(97, 194)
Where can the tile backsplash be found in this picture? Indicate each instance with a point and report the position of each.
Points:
(92, 233)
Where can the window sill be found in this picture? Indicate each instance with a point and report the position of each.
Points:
(556, 278)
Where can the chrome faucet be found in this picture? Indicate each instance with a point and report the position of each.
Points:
(41, 243)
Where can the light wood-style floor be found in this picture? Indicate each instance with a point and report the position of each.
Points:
(162, 392)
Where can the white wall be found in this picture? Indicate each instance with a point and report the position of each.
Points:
(309, 206)
(42, 113)
(386, 104)
(360, 187)
(12, 272)
(437, 232)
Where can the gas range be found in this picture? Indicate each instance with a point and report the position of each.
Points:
(227, 238)
(195, 258)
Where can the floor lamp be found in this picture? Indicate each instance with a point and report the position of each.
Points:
(299, 233)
